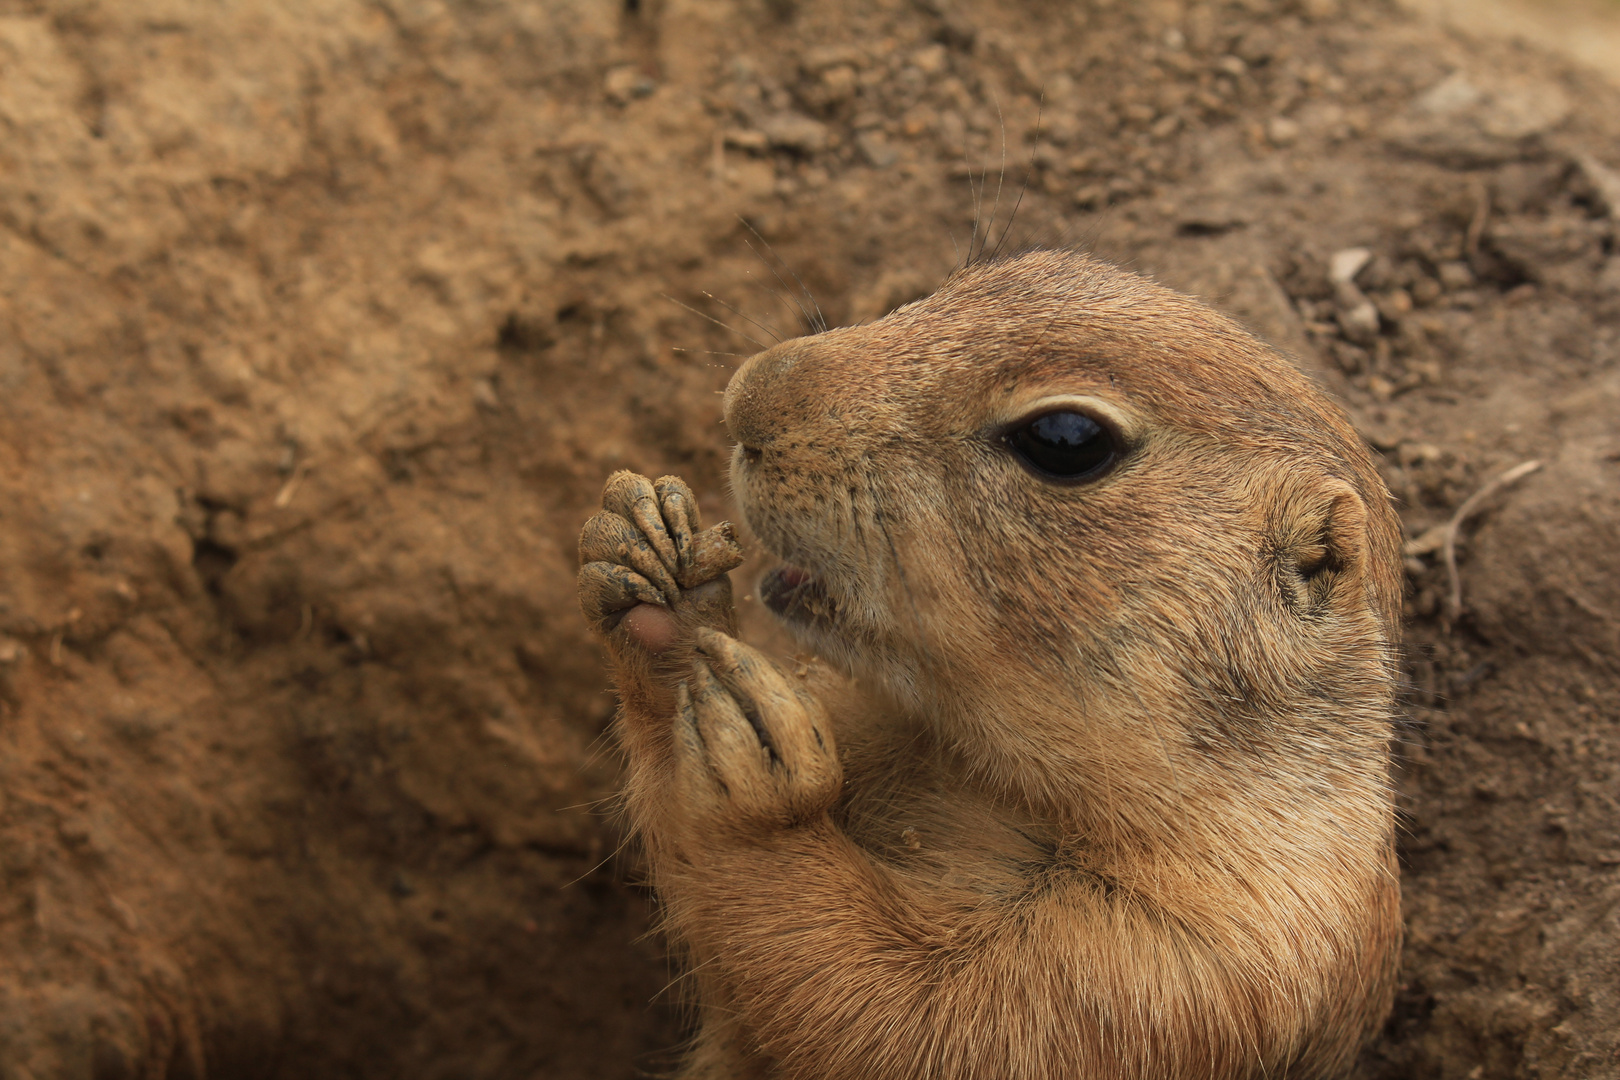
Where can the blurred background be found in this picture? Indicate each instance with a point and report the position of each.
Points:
(1587, 31)
(323, 321)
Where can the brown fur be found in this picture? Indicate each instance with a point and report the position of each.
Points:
(1114, 756)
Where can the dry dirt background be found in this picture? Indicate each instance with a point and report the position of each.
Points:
(322, 321)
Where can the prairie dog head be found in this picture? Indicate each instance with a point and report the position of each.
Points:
(1060, 511)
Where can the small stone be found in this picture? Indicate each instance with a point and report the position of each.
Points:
(1418, 453)
(1359, 322)
(1344, 265)
(930, 59)
(1281, 131)
(829, 56)
(839, 83)
(875, 149)
(1139, 112)
(1452, 94)
(1091, 196)
(1456, 275)
(955, 28)
(625, 83)
(795, 132)
(1083, 162)
(1394, 304)
(753, 141)
(1463, 123)
(1165, 126)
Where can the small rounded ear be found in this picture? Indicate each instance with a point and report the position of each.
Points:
(1320, 541)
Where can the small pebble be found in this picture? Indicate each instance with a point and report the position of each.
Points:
(875, 149)
(796, 132)
(625, 83)
(1346, 264)
(1282, 131)
(1455, 275)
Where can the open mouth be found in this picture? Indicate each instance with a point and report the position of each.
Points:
(792, 593)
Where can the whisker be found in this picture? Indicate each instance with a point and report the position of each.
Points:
(818, 323)
(976, 190)
(1091, 242)
(706, 352)
(774, 294)
(804, 313)
(1001, 178)
(618, 850)
(685, 977)
(590, 804)
(899, 568)
(711, 318)
(740, 315)
(603, 744)
(1029, 171)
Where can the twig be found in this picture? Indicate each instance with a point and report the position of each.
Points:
(1470, 507)
(290, 488)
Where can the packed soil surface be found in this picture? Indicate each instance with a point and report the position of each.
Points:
(323, 321)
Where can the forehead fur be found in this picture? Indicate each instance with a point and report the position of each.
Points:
(1061, 322)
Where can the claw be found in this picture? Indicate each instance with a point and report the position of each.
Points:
(599, 540)
(689, 733)
(605, 589)
(632, 496)
(720, 648)
(644, 547)
(608, 538)
(724, 724)
(680, 518)
(713, 552)
(787, 720)
(640, 555)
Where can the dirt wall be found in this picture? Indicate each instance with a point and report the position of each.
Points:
(321, 324)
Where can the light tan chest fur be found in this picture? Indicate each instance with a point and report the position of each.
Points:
(913, 803)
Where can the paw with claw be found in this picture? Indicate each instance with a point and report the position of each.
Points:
(647, 567)
(754, 747)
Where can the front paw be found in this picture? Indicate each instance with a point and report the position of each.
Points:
(756, 751)
(646, 547)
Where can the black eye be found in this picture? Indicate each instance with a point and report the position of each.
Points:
(1064, 445)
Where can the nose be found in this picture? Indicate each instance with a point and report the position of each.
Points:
(757, 396)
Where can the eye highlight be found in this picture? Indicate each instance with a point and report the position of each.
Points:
(1064, 445)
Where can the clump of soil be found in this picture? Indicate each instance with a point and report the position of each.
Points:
(323, 324)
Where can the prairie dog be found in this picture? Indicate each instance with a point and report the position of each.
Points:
(1093, 781)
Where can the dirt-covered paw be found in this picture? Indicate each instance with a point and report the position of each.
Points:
(755, 747)
(646, 546)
